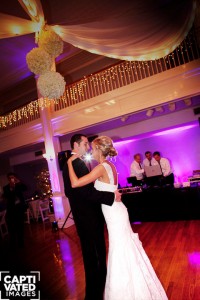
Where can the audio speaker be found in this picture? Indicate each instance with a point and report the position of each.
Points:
(196, 110)
(91, 138)
(63, 157)
(38, 153)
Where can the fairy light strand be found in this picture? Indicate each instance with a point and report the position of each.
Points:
(104, 81)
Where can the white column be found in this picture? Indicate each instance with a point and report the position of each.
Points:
(52, 147)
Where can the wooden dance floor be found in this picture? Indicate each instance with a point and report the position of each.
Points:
(173, 249)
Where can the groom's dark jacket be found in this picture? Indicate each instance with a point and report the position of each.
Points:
(85, 201)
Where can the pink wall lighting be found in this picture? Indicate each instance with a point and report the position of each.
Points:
(180, 145)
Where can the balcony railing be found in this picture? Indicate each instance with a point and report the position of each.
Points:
(112, 78)
(20, 116)
(127, 72)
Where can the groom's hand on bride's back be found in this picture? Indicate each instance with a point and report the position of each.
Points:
(118, 196)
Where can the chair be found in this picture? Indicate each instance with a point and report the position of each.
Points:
(34, 208)
(28, 215)
(3, 225)
(44, 210)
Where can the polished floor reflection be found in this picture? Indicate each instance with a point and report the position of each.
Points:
(173, 248)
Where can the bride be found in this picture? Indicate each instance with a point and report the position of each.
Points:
(130, 274)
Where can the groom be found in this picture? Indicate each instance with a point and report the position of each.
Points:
(85, 204)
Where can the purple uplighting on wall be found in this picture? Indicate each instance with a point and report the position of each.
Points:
(181, 145)
(124, 142)
(174, 130)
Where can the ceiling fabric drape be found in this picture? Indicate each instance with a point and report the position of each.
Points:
(131, 30)
(136, 34)
(33, 9)
(11, 26)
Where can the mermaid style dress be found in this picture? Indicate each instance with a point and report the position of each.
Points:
(130, 275)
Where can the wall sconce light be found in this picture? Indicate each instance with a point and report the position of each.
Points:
(124, 118)
(187, 101)
(159, 109)
(149, 112)
(172, 106)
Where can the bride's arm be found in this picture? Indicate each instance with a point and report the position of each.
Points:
(91, 177)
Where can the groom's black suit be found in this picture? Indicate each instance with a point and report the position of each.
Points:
(85, 204)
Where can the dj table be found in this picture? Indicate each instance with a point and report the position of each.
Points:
(163, 203)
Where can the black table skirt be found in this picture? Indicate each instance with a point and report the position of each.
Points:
(163, 204)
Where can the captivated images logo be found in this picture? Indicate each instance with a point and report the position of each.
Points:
(22, 286)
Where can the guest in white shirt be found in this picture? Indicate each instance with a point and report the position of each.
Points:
(149, 160)
(137, 169)
(165, 168)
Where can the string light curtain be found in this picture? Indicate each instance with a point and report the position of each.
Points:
(131, 30)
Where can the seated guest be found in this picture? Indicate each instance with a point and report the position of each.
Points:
(166, 169)
(149, 160)
(137, 169)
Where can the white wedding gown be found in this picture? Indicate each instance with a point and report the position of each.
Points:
(130, 275)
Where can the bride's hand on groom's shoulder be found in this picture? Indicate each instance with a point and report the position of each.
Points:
(73, 157)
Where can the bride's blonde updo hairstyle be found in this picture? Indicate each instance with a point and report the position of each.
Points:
(105, 144)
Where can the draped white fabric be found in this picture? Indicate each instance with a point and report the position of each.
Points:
(137, 34)
(11, 26)
(33, 9)
(135, 30)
